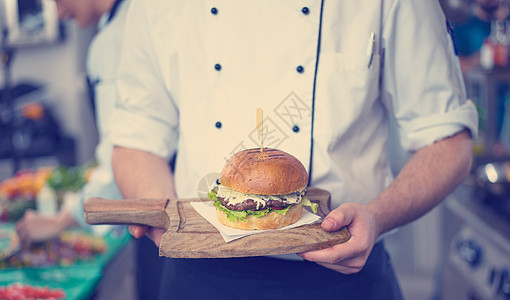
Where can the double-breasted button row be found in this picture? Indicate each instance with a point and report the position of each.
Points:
(300, 69)
(305, 10)
(218, 125)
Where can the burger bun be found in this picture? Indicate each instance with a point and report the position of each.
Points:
(267, 172)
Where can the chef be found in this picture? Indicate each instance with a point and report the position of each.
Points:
(329, 76)
(102, 61)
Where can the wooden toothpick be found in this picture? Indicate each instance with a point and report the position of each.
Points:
(260, 127)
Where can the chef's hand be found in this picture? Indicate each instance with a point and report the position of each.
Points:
(155, 234)
(34, 227)
(351, 256)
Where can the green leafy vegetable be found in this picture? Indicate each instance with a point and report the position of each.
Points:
(313, 206)
(67, 178)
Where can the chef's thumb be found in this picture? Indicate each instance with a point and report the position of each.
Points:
(338, 218)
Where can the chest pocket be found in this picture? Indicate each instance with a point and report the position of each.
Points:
(359, 76)
(351, 83)
(352, 77)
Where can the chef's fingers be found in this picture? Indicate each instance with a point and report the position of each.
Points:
(138, 231)
(24, 237)
(335, 254)
(19, 225)
(22, 232)
(344, 269)
(347, 258)
(155, 234)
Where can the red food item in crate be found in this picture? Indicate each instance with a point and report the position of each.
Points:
(24, 291)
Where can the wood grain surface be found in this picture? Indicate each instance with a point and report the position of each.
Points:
(189, 235)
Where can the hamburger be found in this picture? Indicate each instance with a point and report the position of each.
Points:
(261, 190)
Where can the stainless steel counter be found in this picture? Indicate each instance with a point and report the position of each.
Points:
(478, 261)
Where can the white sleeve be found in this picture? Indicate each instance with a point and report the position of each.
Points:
(145, 116)
(422, 81)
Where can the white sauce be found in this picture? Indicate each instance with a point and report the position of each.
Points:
(233, 197)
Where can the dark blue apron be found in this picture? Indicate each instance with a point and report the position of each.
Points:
(270, 278)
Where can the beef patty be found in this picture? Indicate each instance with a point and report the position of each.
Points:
(250, 204)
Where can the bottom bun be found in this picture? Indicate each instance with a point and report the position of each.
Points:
(272, 220)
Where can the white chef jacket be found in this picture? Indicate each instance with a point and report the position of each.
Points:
(102, 63)
(327, 75)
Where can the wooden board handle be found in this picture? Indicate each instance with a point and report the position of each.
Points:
(149, 212)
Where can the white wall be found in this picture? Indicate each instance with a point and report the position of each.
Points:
(62, 68)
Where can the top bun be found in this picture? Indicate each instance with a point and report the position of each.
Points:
(270, 172)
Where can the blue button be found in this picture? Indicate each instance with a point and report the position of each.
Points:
(217, 67)
(305, 10)
(300, 69)
(295, 128)
(218, 124)
(214, 11)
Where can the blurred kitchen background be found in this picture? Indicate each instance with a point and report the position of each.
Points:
(460, 250)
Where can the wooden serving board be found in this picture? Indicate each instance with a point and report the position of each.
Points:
(189, 235)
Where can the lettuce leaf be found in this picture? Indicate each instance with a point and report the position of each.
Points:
(313, 206)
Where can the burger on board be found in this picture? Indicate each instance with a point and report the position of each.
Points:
(261, 190)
